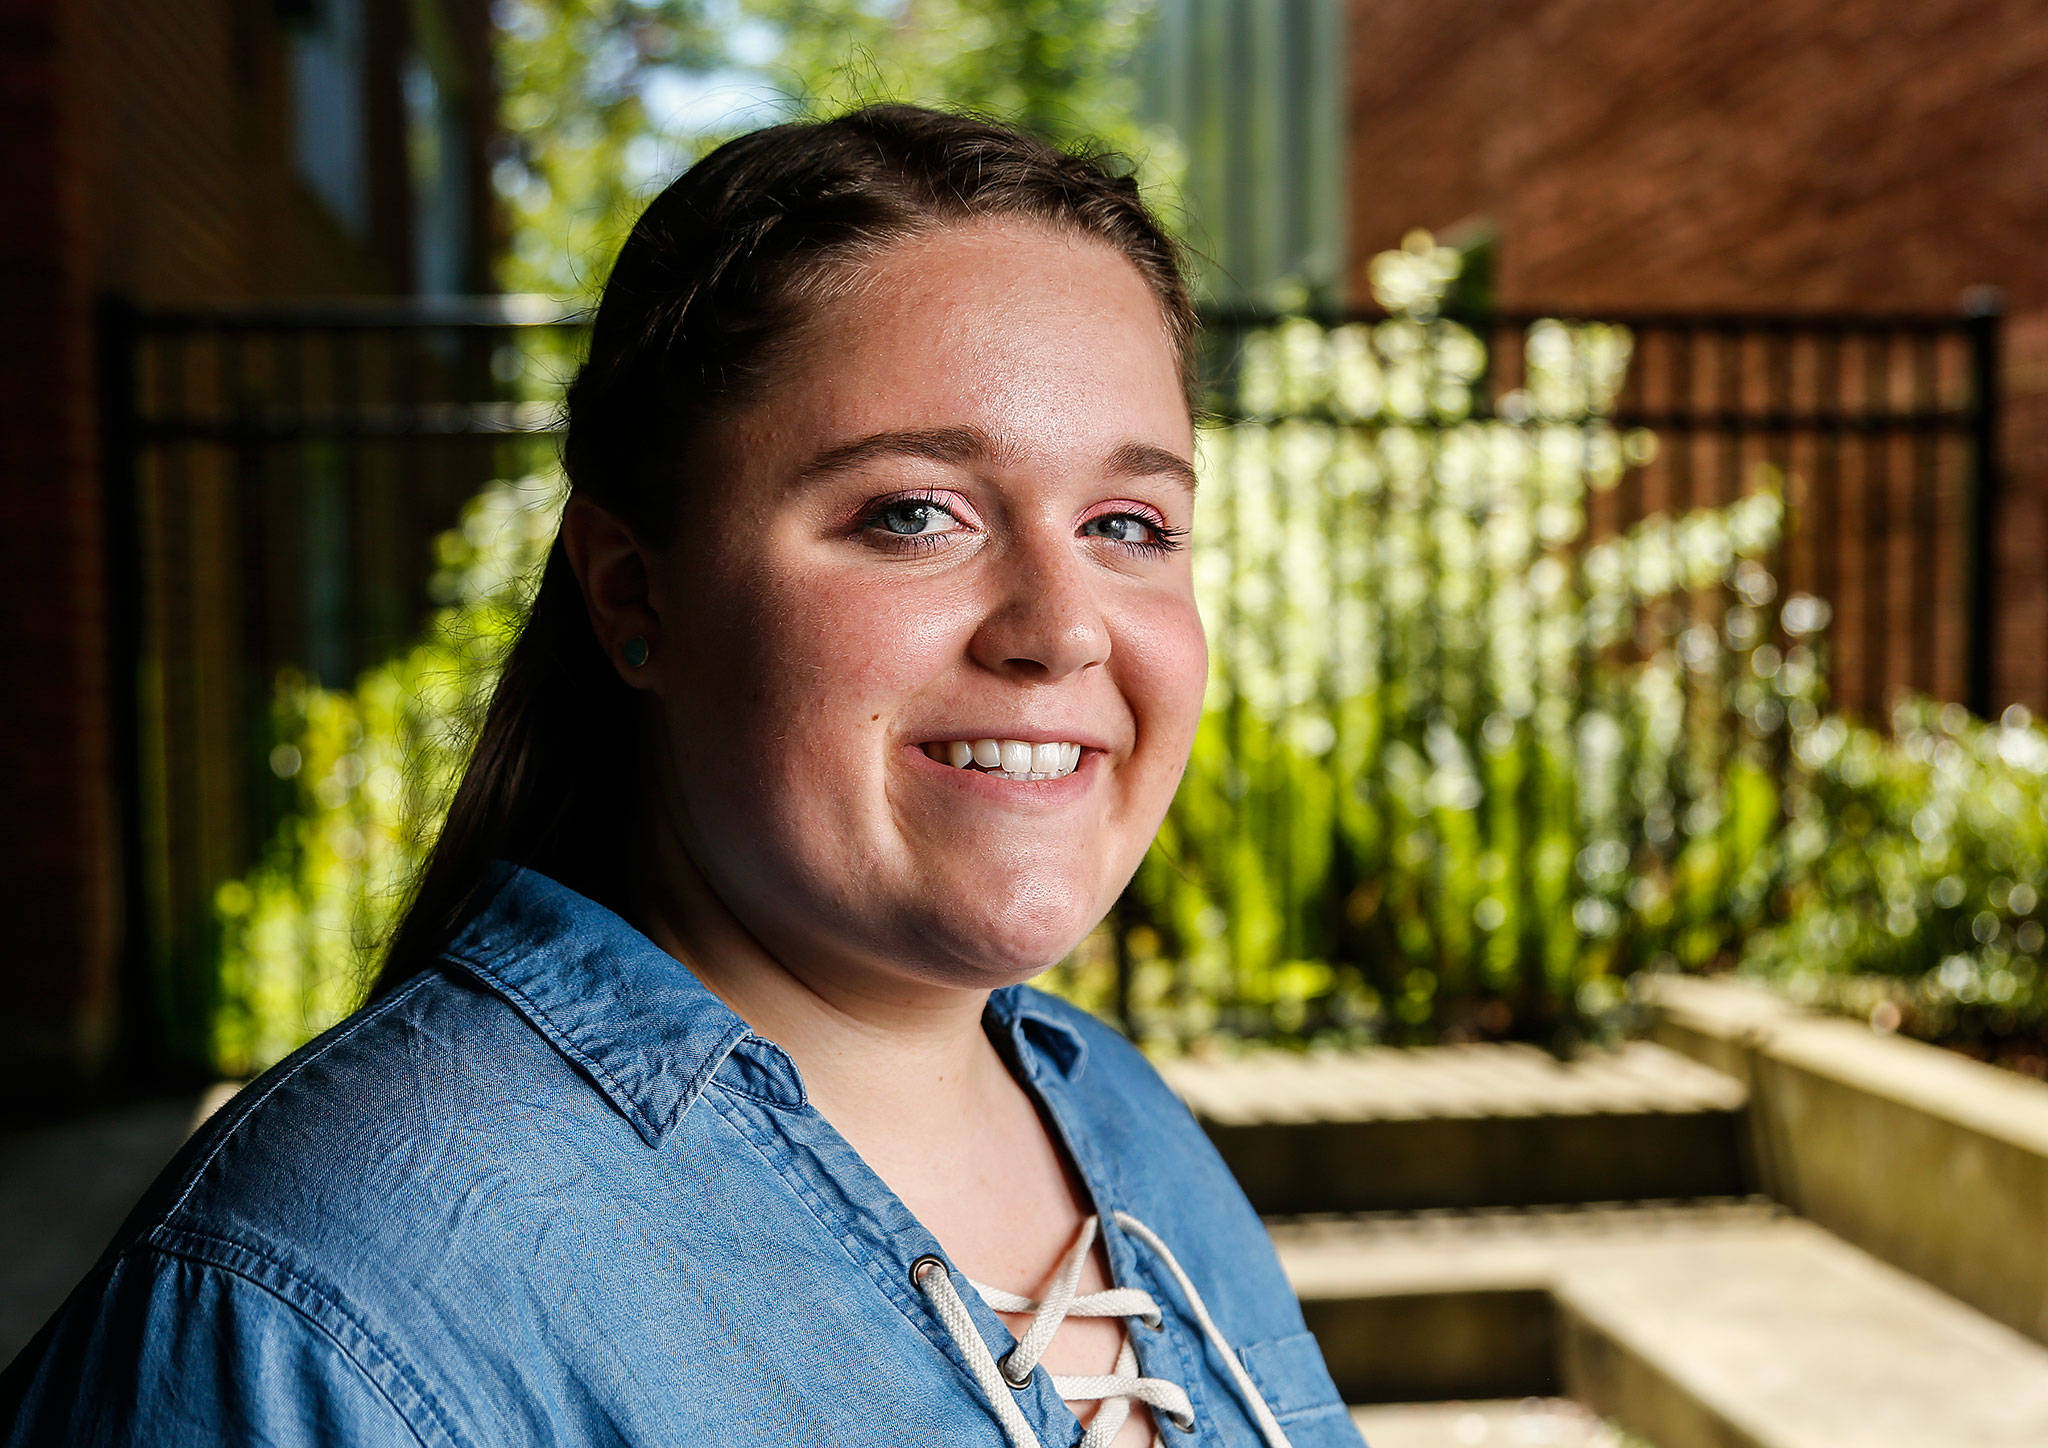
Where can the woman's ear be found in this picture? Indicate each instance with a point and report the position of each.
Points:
(613, 569)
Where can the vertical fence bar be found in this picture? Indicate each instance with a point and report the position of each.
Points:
(1822, 530)
(345, 356)
(1430, 501)
(1722, 722)
(1631, 502)
(1985, 318)
(1775, 753)
(183, 794)
(1877, 524)
(1686, 489)
(1235, 778)
(246, 490)
(1278, 641)
(1328, 940)
(1485, 508)
(297, 390)
(119, 338)
(1925, 540)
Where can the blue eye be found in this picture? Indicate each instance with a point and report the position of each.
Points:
(1119, 527)
(912, 520)
(909, 519)
(1134, 530)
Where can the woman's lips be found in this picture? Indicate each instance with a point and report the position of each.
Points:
(1014, 759)
(1027, 787)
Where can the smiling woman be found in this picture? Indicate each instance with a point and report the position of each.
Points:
(701, 1098)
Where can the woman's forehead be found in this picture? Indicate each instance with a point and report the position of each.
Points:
(967, 324)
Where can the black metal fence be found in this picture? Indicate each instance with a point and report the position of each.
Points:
(1518, 621)
(275, 477)
(1885, 427)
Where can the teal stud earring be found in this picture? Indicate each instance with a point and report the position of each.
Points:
(636, 651)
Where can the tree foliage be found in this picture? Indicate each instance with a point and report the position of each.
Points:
(588, 138)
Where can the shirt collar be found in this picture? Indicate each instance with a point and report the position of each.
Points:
(1032, 1020)
(638, 1022)
(640, 1025)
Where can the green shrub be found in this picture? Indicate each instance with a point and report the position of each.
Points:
(1919, 863)
(1462, 767)
(375, 767)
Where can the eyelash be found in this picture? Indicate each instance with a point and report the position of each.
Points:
(1165, 537)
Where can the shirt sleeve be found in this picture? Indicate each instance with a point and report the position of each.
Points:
(172, 1350)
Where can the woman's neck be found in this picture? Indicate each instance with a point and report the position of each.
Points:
(887, 1060)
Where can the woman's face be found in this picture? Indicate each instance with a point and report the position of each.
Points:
(954, 529)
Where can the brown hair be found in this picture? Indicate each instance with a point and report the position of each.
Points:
(711, 290)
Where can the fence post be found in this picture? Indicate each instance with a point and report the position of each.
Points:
(1984, 311)
(118, 332)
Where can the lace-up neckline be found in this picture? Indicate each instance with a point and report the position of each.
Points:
(1117, 1389)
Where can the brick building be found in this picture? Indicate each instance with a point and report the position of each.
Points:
(176, 153)
(1702, 155)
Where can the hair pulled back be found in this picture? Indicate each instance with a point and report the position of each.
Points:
(712, 291)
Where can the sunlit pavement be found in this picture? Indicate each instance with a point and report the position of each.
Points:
(1527, 1423)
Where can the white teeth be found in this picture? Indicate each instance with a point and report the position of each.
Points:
(1012, 758)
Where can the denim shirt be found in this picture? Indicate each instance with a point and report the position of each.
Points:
(553, 1191)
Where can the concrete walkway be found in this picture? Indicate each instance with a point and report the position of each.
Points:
(65, 1187)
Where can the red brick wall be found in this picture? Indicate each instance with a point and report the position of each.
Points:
(147, 154)
(56, 800)
(1741, 154)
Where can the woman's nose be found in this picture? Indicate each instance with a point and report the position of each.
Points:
(1046, 618)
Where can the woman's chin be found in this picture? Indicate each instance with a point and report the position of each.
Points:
(995, 949)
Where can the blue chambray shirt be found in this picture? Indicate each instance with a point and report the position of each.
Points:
(553, 1191)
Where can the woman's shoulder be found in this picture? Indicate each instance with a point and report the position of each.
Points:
(315, 1221)
(374, 1130)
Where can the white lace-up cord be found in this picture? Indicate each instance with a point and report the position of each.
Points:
(1262, 1414)
(937, 1284)
(1116, 1390)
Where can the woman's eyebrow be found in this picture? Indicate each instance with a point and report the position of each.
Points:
(939, 444)
(1144, 460)
(966, 443)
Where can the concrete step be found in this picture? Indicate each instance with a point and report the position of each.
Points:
(1695, 1325)
(1522, 1423)
(1919, 1155)
(1391, 1129)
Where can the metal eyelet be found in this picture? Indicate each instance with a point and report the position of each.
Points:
(1003, 1366)
(1179, 1426)
(1153, 1324)
(917, 1269)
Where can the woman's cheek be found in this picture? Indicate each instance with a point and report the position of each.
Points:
(1168, 665)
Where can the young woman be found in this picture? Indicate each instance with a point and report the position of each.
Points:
(701, 1100)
